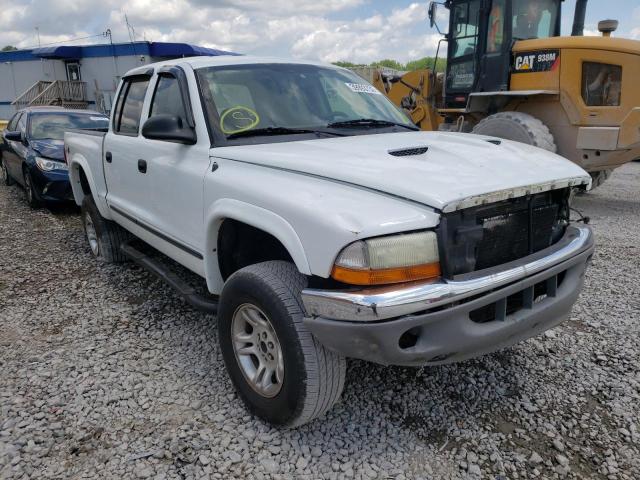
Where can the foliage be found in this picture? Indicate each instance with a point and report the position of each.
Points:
(8, 48)
(422, 63)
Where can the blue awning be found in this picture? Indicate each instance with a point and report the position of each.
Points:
(172, 50)
(70, 52)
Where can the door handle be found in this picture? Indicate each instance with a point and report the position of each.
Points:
(142, 166)
(108, 157)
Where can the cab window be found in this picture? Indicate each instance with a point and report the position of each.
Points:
(167, 99)
(535, 19)
(129, 106)
(465, 28)
(495, 30)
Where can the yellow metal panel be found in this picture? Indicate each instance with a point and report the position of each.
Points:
(571, 86)
(621, 45)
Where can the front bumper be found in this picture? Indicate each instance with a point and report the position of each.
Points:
(53, 185)
(449, 321)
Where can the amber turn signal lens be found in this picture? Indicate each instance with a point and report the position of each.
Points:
(385, 276)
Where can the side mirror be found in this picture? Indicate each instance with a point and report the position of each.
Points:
(168, 128)
(15, 136)
(433, 8)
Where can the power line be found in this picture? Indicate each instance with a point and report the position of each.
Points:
(63, 41)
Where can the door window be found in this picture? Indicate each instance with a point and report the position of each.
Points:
(167, 99)
(73, 72)
(495, 30)
(13, 123)
(129, 106)
(22, 123)
(466, 17)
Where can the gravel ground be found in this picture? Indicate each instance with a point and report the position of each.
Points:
(105, 373)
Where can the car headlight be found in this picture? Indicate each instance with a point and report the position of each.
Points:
(390, 259)
(49, 165)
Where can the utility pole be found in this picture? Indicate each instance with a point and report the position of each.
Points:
(38, 35)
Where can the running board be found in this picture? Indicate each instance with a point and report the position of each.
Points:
(160, 270)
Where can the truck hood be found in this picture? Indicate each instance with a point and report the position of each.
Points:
(446, 171)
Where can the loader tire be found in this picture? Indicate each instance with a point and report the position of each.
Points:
(519, 127)
(598, 178)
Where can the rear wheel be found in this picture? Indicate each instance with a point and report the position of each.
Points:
(519, 127)
(278, 368)
(4, 174)
(33, 197)
(104, 237)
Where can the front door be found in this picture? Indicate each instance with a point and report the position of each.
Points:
(73, 72)
(176, 171)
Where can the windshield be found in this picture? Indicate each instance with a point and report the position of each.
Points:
(53, 125)
(535, 19)
(242, 98)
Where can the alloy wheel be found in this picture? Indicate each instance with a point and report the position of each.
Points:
(257, 350)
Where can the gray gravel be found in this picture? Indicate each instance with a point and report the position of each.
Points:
(105, 373)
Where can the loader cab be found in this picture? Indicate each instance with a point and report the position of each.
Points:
(481, 37)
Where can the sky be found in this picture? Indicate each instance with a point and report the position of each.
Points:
(360, 31)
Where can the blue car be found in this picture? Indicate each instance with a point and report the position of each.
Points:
(32, 150)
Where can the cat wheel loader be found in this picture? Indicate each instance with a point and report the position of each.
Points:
(511, 75)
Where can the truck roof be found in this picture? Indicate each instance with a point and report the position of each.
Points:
(223, 60)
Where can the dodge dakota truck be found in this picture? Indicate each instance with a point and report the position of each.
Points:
(324, 225)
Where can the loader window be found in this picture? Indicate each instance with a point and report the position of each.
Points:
(466, 17)
(535, 19)
(601, 84)
(495, 30)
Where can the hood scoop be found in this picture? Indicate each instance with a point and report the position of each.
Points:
(409, 152)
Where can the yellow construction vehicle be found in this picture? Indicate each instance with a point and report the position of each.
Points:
(511, 75)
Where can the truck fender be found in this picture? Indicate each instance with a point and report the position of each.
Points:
(77, 162)
(257, 217)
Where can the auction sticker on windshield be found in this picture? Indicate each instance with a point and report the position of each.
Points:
(363, 88)
(238, 119)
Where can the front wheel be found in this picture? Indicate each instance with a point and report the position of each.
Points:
(33, 198)
(282, 373)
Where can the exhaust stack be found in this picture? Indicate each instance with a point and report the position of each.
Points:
(578, 19)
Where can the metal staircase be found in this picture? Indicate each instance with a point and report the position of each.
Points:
(59, 93)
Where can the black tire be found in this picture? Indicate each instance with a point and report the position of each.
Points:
(30, 191)
(4, 174)
(519, 127)
(598, 178)
(108, 235)
(313, 376)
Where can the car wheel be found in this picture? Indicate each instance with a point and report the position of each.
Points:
(4, 174)
(282, 373)
(104, 237)
(33, 197)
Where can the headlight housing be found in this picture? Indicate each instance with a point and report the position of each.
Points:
(391, 259)
(49, 165)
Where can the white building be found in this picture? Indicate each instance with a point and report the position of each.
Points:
(78, 76)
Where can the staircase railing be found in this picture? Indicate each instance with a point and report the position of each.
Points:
(59, 92)
(30, 94)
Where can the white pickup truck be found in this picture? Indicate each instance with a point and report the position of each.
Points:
(325, 226)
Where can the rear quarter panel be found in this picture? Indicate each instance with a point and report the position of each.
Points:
(84, 152)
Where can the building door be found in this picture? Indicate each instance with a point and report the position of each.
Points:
(73, 72)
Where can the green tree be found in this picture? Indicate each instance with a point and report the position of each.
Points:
(345, 64)
(8, 48)
(427, 62)
(389, 63)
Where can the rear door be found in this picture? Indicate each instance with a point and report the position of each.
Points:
(127, 185)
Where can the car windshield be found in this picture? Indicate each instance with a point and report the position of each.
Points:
(53, 125)
(275, 99)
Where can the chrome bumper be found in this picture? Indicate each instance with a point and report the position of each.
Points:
(394, 301)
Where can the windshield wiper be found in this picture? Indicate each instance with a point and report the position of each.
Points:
(370, 123)
(256, 132)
